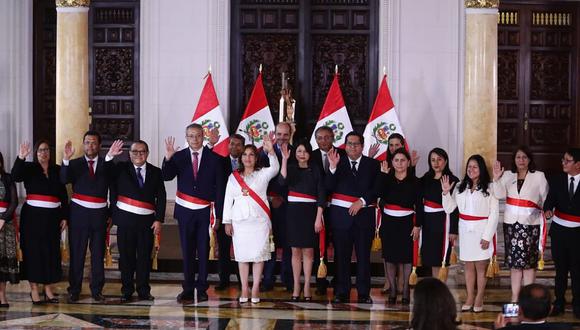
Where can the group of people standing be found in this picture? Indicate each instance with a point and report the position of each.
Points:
(291, 198)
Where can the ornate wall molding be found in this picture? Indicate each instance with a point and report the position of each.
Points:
(481, 3)
(73, 3)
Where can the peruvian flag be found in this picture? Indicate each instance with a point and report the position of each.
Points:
(334, 115)
(209, 115)
(382, 123)
(257, 120)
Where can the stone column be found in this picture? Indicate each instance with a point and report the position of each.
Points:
(480, 91)
(72, 74)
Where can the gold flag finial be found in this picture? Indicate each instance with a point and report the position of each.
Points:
(260, 68)
(209, 69)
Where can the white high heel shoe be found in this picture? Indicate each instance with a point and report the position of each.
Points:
(243, 300)
(255, 300)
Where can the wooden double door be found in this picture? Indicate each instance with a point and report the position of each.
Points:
(538, 49)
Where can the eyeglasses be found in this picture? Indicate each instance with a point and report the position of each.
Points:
(567, 161)
(43, 150)
(138, 152)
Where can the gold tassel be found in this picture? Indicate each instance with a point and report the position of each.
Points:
(272, 244)
(377, 243)
(541, 261)
(322, 271)
(413, 276)
(154, 262)
(443, 273)
(64, 255)
(19, 253)
(154, 265)
(108, 258)
(419, 260)
(211, 244)
(495, 266)
(453, 257)
(490, 272)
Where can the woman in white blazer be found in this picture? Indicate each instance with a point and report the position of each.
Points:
(525, 191)
(478, 217)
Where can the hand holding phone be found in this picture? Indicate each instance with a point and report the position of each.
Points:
(510, 310)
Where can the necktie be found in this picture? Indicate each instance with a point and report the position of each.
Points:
(139, 177)
(571, 189)
(326, 163)
(353, 168)
(234, 164)
(91, 169)
(195, 164)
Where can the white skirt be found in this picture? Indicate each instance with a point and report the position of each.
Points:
(470, 235)
(251, 239)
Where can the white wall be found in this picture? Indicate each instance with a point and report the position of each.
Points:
(15, 76)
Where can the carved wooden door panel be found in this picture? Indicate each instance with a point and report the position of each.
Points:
(305, 39)
(537, 80)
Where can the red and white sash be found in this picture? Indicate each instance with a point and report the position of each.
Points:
(190, 202)
(566, 220)
(432, 207)
(297, 197)
(135, 206)
(397, 211)
(467, 217)
(89, 202)
(3, 206)
(263, 206)
(345, 200)
(521, 206)
(44, 201)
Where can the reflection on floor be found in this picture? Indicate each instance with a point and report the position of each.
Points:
(222, 311)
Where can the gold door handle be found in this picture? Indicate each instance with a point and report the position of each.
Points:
(526, 121)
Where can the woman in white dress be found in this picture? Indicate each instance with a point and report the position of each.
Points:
(246, 220)
(525, 191)
(478, 217)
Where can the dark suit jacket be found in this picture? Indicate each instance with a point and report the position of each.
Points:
(558, 196)
(316, 157)
(209, 184)
(362, 185)
(125, 183)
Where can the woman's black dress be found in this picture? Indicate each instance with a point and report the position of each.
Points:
(300, 217)
(9, 201)
(40, 227)
(395, 232)
(434, 224)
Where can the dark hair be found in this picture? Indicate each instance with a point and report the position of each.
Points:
(402, 151)
(194, 126)
(307, 146)
(484, 178)
(323, 128)
(394, 136)
(241, 164)
(535, 301)
(434, 306)
(575, 153)
(529, 154)
(430, 174)
(353, 133)
(35, 151)
(238, 137)
(92, 133)
(2, 171)
(143, 143)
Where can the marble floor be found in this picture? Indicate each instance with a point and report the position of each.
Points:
(222, 311)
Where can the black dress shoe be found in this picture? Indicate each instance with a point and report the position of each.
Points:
(6, 305)
(557, 310)
(221, 286)
(147, 297)
(266, 288)
(53, 300)
(125, 299)
(202, 296)
(339, 300)
(185, 298)
(98, 297)
(72, 298)
(36, 302)
(365, 300)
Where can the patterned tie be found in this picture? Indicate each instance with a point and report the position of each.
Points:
(139, 177)
(234, 164)
(353, 168)
(571, 189)
(326, 163)
(195, 164)
(91, 168)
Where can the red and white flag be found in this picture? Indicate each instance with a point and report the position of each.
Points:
(208, 114)
(257, 120)
(334, 115)
(382, 123)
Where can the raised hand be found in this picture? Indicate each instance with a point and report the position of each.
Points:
(285, 152)
(116, 148)
(446, 185)
(497, 170)
(385, 167)
(268, 144)
(414, 158)
(374, 150)
(169, 147)
(24, 150)
(333, 158)
(214, 136)
(69, 150)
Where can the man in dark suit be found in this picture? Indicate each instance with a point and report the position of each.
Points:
(89, 213)
(200, 182)
(277, 195)
(352, 219)
(563, 206)
(138, 201)
(534, 308)
(324, 136)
